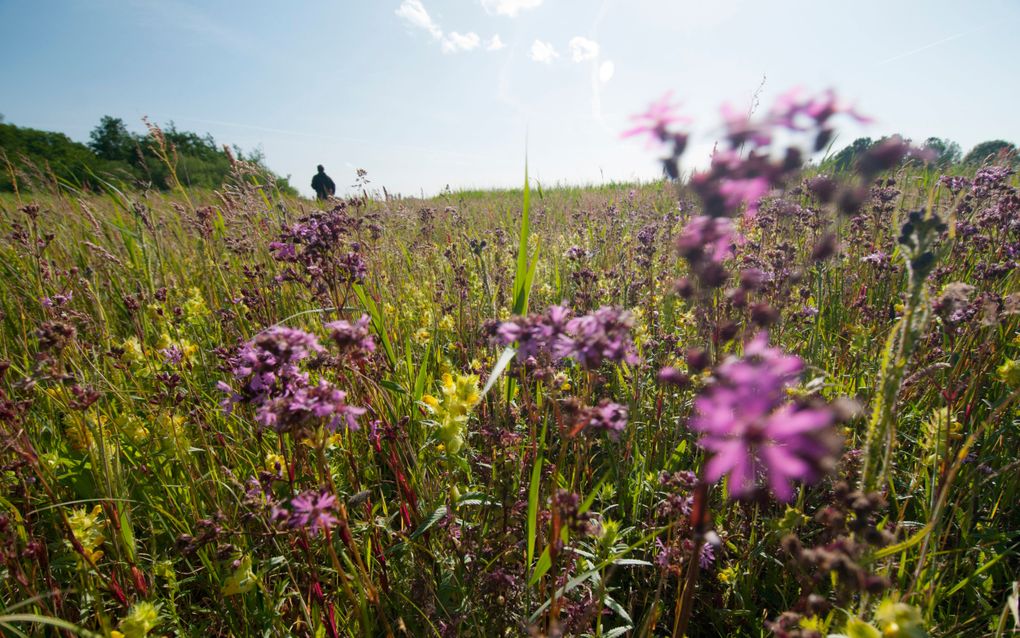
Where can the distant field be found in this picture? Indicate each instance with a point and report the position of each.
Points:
(234, 412)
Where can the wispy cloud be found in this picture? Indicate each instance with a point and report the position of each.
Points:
(495, 43)
(455, 42)
(413, 11)
(543, 52)
(509, 8)
(415, 14)
(606, 71)
(582, 49)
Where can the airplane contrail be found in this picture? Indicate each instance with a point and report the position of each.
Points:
(928, 46)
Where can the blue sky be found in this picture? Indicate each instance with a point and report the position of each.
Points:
(429, 93)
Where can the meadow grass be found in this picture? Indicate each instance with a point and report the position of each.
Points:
(134, 503)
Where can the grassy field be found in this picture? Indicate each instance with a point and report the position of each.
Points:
(227, 414)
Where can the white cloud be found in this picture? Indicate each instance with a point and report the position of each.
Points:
(509, 7)
(495, 43)
(582, 49)
(455, 42)
(414, 12)
(606, 71)
(543, 52)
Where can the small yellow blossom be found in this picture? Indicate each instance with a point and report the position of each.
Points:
(460, 396)
(241, 581)
(141, 619)
(275, 463)
(1009, 373)
(88, 530)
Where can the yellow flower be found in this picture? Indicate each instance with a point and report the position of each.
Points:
(241, 581)
(1009, 372)
(141, 619)
(727, 575)
(447, 323)
(460, 395)
(275, 463)
(194, 307)
(132, 427)
(421, 336)
(133, 352)
(80, 432)
(172, 431)
(900, 620)
(88, 530)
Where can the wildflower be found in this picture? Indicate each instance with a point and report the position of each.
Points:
(305, 406)
(275, 463)
(353, 339)
(706, 237)
(141, 619)
(133, 352)
(241, 580)
(87, 528)
(314, 510)
(132, 427)
(751, 430)
(609, 417)
(602, 335)
(194, 308)
(460, 396)
(1009, 372)
(421, 336)
(657, 119)
(268, 365)
(900, 620)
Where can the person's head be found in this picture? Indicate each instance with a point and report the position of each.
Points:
(321, 169)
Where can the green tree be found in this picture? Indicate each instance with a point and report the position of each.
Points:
(945, 152)
(845, 159)
(991, 150)
(111, 140)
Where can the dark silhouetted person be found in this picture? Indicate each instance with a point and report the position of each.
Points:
(323, 185)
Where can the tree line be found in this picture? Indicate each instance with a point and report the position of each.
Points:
(115, 154)
(938, 152)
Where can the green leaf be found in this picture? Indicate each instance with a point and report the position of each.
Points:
(541, 567)
(533, 489)
(434, 518)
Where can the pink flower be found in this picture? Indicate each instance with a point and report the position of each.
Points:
(752, 431)
(313, 510)
(657, 119)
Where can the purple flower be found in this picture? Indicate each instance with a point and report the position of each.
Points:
(656, 120)
(588, 339)
(353, 339)
(172, 355)
(313, 510)
(609, 417)
(747, 191)
(306, 406)
(536, 332)
(752, 431)
(710, 237)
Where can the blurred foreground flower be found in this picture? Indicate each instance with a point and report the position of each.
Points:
(753, 431)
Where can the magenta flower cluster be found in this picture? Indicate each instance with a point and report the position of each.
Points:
(753, 431)
(603, 335)
(317, 242)
(353, 339)
(313, 510)
(284, 398)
